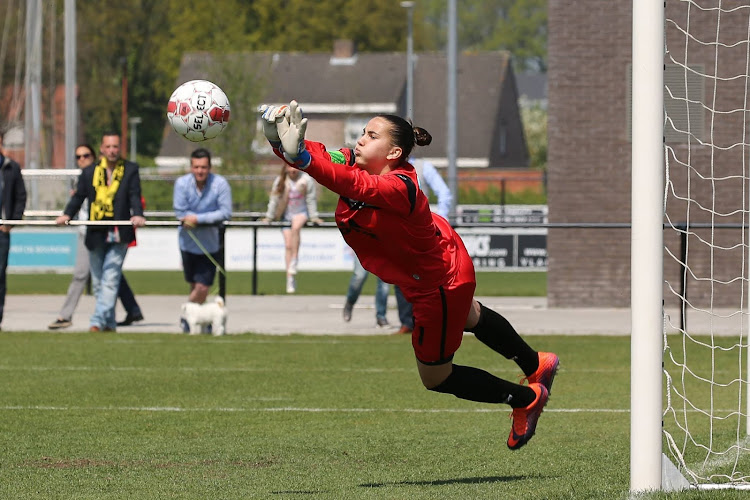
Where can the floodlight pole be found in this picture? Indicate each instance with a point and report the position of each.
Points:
(409, 6)
(32, 134)
(451, 118)
(33, 86)
(71, 105)
(124, 110)
(133, 121)
(647, 246)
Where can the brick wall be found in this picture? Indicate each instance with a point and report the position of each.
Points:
(589, 178)
(589, 155)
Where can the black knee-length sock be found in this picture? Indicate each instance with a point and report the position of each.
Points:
(496, 332)
(474, 384)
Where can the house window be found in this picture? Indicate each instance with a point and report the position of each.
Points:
(353, 130)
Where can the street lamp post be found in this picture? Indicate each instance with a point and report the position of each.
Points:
(451, 139)
(409, 6)
(133, 121)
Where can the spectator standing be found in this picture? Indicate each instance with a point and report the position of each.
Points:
(356, 283)
(86, 157)
(113, 190)
(201, 201)
(429, 180)
(294, 200)
(12, 205)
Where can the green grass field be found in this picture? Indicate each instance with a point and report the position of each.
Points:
(520, 284)
(147, 416)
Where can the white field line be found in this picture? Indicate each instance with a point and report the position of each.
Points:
(296, 409)
(218, 369)
(720, 460)
(230, 339)
(508, 373)
(504, 307)
(498, 409)
(251, 369)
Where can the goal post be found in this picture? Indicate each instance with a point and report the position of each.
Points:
(646, 246)
(690, 245)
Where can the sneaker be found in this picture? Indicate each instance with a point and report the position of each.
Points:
(60, 323)
(101, 329)
(404, 330)
(348, 307)
(291, 284)
(525, 419)
(130, 319)
(545, 374)
(382, 323)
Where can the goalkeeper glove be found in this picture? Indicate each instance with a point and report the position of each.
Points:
(273, 120)
(293, 137)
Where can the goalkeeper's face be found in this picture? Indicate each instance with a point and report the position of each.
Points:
(375, 151)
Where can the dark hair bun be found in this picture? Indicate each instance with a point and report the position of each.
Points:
(421, 137)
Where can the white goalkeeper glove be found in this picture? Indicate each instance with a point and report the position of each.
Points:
(292, 136)
(274, 120)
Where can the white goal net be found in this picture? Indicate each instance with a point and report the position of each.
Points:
(707, 242)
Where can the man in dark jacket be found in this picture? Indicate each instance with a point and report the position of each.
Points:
(113, 189)
(12, 205)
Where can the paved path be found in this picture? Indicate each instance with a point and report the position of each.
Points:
(321, 314)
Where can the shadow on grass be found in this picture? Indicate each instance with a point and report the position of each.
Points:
(443, 482)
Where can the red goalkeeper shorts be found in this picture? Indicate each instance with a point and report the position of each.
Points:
(440, 314)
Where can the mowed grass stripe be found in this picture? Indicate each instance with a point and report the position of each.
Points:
(499, 409)
(170, 416)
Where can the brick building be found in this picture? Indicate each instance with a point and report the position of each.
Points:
(590, 152)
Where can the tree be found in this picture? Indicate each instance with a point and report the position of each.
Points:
(120, 38)
(518, 26)
(535, 131)
(147, 38)
(295, 25)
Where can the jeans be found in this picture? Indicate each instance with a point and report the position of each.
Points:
(405, 311)
(355, 288)
(128, 298)
(106, 270)
(78, 285)
(4, 249)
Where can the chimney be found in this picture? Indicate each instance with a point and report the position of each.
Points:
(343, 48)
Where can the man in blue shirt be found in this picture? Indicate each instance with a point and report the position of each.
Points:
(201, 201)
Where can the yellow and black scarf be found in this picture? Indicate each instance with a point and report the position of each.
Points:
(103, 205)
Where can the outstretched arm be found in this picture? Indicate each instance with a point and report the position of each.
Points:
(395, 192)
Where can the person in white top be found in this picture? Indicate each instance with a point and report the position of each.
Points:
(293, 199)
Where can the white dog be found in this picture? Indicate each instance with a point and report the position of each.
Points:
(209, 313)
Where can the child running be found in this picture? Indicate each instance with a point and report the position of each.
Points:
(386, 219)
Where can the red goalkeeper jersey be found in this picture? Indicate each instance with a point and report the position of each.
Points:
(386, 220)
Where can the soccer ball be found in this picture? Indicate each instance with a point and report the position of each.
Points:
(198, 110)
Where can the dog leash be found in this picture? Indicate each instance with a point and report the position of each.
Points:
(220, 269)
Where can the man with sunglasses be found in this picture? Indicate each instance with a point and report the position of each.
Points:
(113, 190)
(85, 157)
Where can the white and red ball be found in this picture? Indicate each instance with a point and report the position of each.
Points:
(198, 110)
